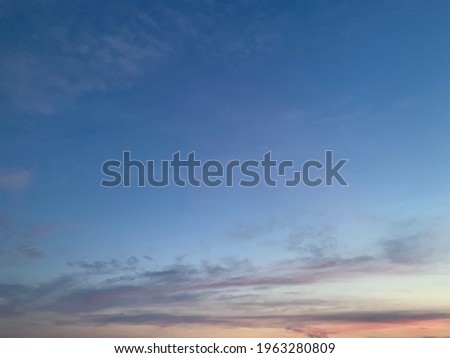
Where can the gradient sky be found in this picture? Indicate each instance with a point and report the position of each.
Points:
(80, 82)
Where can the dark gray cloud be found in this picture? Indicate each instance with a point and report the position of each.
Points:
(161, 319)
(165, 296)
(350, 317)
(147, 293)
(312, 242)
(23, 241)
(107, 266)
(28, 249)
(312, 333)
(379, 316)
(12, 298)
(416, 243)
(104, 285)
(317, 335)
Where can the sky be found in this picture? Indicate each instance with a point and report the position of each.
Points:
(82, 82)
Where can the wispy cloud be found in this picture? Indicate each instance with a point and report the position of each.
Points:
(418, 243)
(312, 243)
(89, 62)
(109, 266)
(93, 59)
(280, 294)
(136, 291)
(16, 180)
(24, 242)
(121, 289)
(306, 319)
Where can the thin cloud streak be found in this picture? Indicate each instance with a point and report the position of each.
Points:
(14, 181)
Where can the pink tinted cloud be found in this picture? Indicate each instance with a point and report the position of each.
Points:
(14, 180)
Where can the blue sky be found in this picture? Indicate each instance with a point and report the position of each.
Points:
(81, 82)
